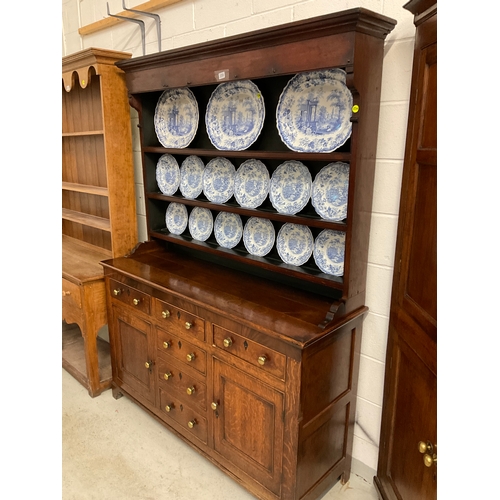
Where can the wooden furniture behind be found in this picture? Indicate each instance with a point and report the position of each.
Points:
(252, 362)
(407, 467)
(98, 203)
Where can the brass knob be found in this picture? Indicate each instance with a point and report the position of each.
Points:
(166, 344)
(136, 302)
(228, 342)
(167, 375)
(214, 405)
(116, 292)
(191, 423)
(262, 360)
(428, 460)
(422, 447)
(165, 314)
(188, 325)
(148, 364)
(191, 356)
(169, 407)
(190, 390)
(65, 293)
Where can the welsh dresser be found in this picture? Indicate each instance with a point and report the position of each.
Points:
(251, 361)
(98, 204)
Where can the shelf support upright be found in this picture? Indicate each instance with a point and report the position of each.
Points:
(156, 17)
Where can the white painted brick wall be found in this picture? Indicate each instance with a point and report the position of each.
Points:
(193, 21)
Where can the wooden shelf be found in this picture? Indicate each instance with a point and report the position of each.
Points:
(86, 219)
(84, 188)
(83, 134)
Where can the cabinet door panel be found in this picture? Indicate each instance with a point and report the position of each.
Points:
(134, 346)
(249, 424)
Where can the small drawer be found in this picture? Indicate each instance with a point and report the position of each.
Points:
(182, 350)
(173, 408)
(271, 361)
(175, 379)
(178, 321)
(71, 294)
(130, 296)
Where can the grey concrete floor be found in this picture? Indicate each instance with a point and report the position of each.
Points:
(111, 449)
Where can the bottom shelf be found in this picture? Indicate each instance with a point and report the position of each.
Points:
(73, 358)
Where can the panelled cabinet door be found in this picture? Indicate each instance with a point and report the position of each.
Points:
(249, 424)
(133, 347)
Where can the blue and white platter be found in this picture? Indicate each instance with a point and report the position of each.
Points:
(218, 180)
(295, 243)
(329, 191)
(228, 229)
(328, 253)
(201, 223)
(314, 111)
(176, 218)
(191, 177)
(168, 174)
(251, 183)
(290, 188)
(176, 118)
(235, 115)
(258, 236)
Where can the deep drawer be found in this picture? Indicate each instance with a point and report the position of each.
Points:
(178, 321)
(130, 296)
(173, 408)
(271, 361)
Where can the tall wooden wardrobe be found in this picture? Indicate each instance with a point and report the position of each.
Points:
(407, 467)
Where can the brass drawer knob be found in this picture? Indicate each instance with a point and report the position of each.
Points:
(166, 344)
(191, 356)
(65, 293)
(214, 405)
(165, 313)
(228, 342)
(262, 360)
(188, 325)
(190, 390)
(428, 460)
(167, 375)
(116, 292)
(169, 407)
(136, 302)
(148, 364)
(191, 423)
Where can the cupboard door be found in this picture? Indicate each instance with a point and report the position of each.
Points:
(248, 424)
(133, 347)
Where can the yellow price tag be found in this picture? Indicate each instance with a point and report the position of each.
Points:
(355, 108)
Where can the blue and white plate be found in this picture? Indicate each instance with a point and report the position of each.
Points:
(235, 115)
(176, 218)
(176, 118)
(258, 236)
(251, 184)
(314, 111)
(295, 243)
(218, 180)
(329, 191)
(290, 188)
(228, 229)
(168, 174)
(328, 253)
(191, 177)
(201, 223)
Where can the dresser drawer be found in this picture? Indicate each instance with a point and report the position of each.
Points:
(271, 361)
(175, 379)
(71, 294)
(173, 408)
(182, 350)
(130, 296)
(178, 321)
